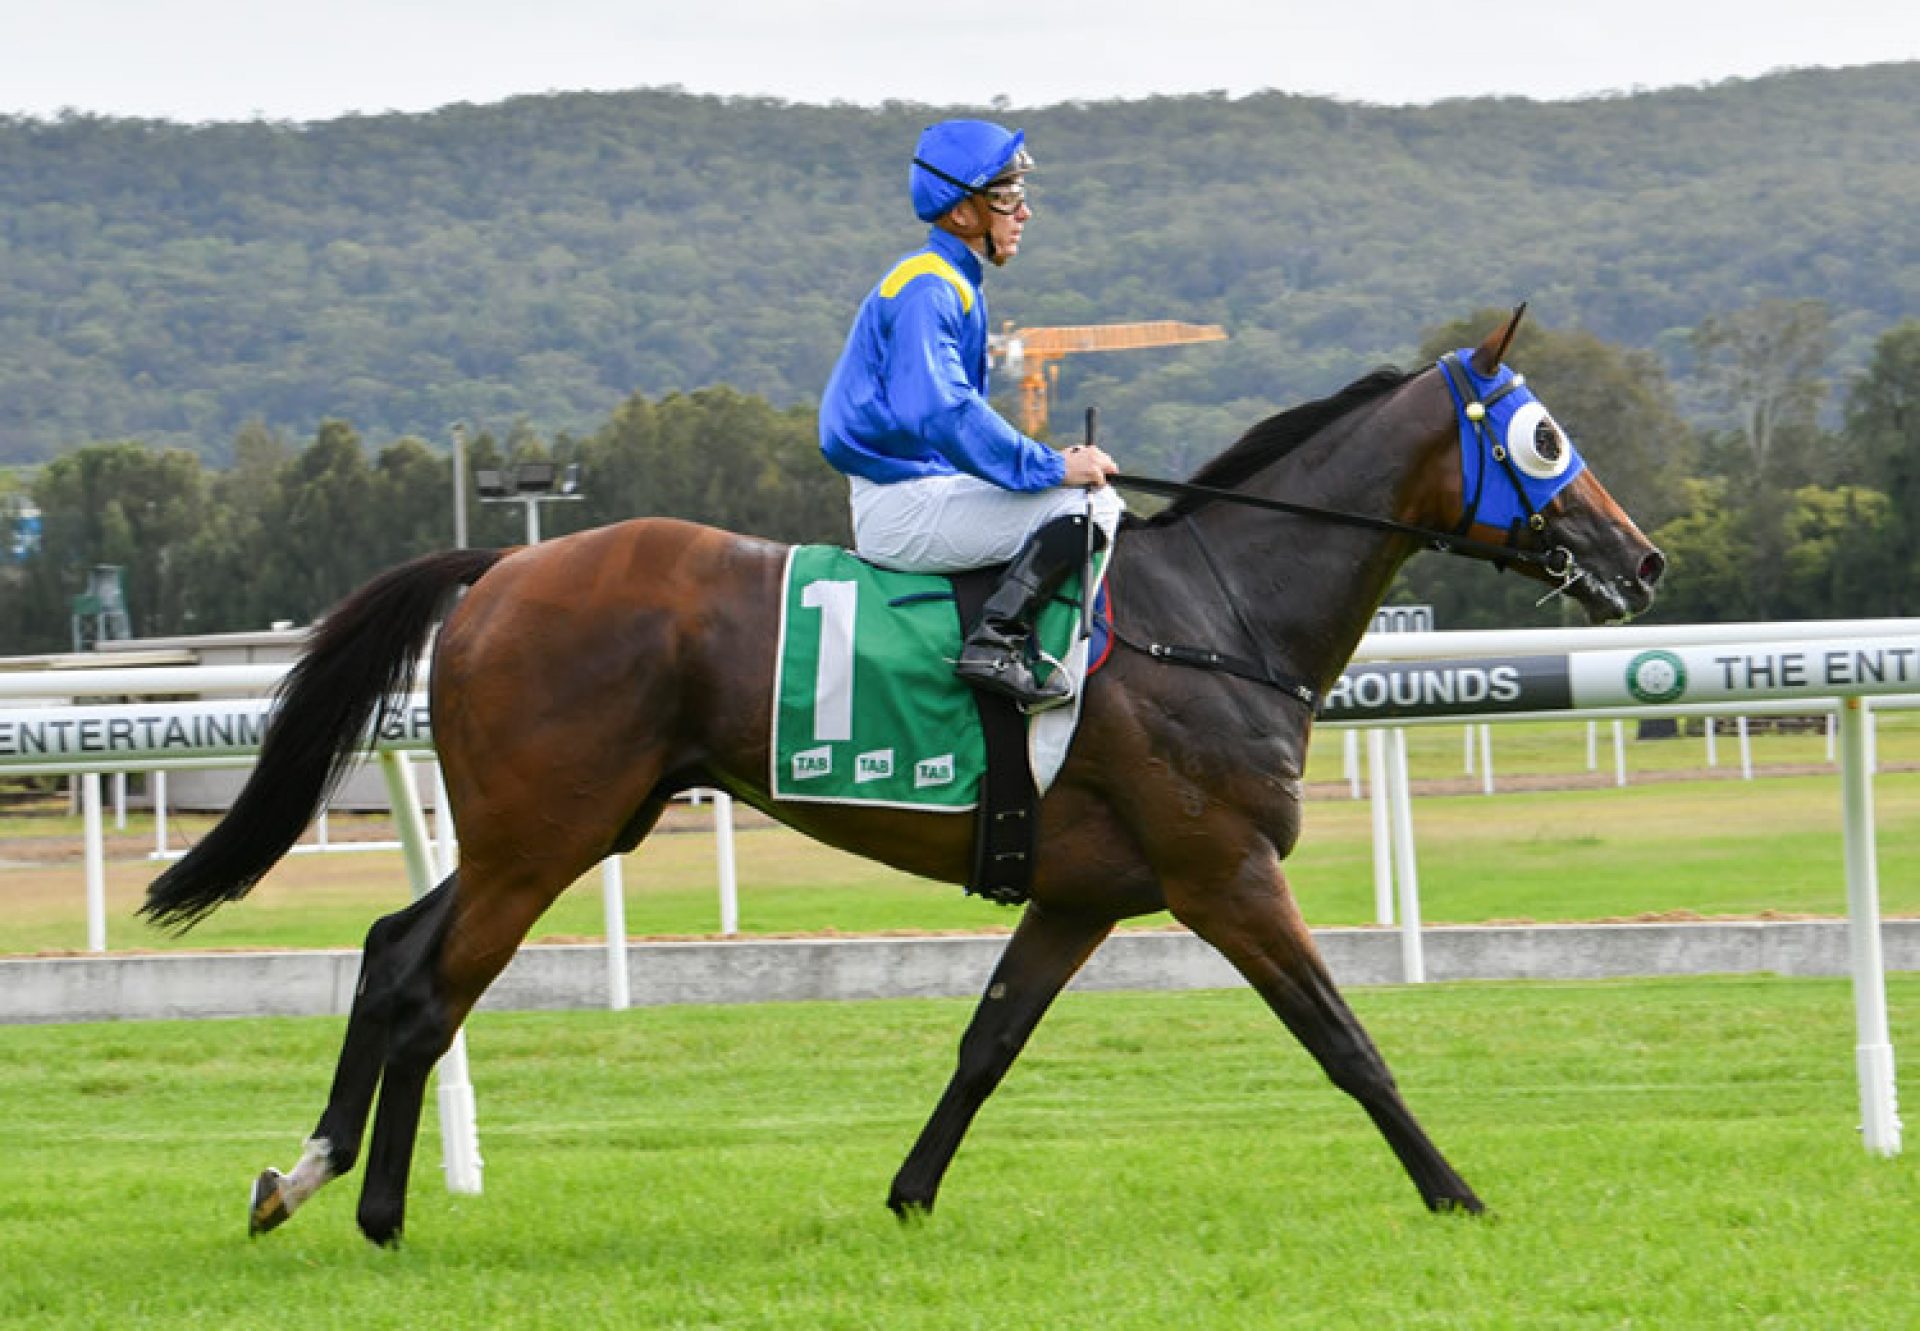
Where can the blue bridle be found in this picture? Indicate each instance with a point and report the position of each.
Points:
(1504, 426)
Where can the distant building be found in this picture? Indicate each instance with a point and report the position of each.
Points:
(23, 535)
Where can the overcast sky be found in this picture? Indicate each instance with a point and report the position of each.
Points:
(198, 60)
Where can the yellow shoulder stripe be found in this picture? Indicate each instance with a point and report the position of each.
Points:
(919, 266)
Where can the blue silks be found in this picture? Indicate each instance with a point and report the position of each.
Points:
(908, 397)
(1515, 458)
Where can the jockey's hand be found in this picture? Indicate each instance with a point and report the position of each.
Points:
(1088, 466)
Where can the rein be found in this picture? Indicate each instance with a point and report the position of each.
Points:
(1555, 563)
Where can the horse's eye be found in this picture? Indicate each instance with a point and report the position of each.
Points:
(1536, 444)
(1546, 440)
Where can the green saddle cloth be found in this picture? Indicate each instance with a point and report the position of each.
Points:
(867, 709)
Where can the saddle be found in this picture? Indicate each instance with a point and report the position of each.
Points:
(867, 709)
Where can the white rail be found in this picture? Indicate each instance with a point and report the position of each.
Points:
(1747, 669)
(1619, 637)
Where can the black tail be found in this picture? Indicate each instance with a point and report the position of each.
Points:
(360, 656)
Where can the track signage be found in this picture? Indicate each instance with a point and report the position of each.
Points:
(140, 731)
(1812, 669)
(1485, 686)
(1474, 687)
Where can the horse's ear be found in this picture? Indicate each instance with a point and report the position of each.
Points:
(1488, 355)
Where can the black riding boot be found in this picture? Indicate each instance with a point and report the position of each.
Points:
(998, 654)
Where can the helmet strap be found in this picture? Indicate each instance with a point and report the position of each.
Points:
(974, 195)
(978, 236)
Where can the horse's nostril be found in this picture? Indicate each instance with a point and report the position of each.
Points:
(1652, 567)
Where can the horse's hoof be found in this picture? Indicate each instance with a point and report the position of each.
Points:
(908, 1212)
(268, 1207)
(382, 1230)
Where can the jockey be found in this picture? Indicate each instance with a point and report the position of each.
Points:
(940, 481)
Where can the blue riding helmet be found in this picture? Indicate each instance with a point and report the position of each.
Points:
(1514, 457)
(956, 158)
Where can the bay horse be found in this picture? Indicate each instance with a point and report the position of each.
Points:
(580, 684)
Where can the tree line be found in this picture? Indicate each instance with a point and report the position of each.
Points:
(284, 532)
(547, 257)
(1773, 515)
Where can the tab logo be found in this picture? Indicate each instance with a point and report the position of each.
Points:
(874, 766)
(811, 763)
(933, 772)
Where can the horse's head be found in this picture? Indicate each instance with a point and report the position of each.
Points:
(1523, 484)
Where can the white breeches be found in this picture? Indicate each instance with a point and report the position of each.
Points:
(943, 524)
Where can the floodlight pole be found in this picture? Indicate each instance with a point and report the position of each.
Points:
(459, 485)
(509, 487)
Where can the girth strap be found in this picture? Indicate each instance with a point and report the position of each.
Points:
(1006, 832)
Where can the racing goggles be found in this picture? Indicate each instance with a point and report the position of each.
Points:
(1005, 197)
(1006, 193)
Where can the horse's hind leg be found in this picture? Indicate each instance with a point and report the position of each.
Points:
(437, 987)
(395, 948)
(1256, 926)
(421, 1036)
(1046, 950)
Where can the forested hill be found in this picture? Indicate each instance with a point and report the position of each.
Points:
(543, 258)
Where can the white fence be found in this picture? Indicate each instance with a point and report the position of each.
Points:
(1639, 672)
(1399, 679)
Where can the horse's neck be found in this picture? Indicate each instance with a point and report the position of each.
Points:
(1306, 587)
(1309, 594)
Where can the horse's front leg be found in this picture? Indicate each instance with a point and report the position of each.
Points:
(1253, 921)
(1046, 949)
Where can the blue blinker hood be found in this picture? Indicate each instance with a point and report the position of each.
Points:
(1514, 457)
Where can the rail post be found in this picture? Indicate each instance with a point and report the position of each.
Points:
(459, 1134)
(1873, 1048)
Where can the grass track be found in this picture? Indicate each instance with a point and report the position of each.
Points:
(1661, 1154)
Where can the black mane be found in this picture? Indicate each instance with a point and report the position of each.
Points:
(1276, 436)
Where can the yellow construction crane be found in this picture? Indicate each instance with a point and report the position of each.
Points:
(1034, 353)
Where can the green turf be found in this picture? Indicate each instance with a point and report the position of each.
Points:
(1659, 1154)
